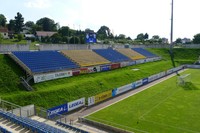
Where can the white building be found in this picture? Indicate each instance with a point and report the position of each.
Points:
(4, 32)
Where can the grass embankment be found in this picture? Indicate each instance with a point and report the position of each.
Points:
(52, 93)
(165, 108)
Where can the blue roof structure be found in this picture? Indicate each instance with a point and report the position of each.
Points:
(44, 61)
(144, 52)
(111, 55)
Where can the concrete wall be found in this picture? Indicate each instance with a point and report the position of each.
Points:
(4, 48)
(93, 46)
(191, 46)
(103, 126)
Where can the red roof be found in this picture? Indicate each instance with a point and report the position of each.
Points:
(4, 30)
(45, 33)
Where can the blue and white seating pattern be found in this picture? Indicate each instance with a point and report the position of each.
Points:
(71, 127)
(3, 130)
(112, 55)
(30, 124)
(144, 52)
(45, 61)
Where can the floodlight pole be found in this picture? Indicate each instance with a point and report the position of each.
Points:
(172, 20)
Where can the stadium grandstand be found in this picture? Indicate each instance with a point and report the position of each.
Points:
(144, 52)
(112, 55)
(131, 54)
(43, 61)
(26, 124)
(85, 57)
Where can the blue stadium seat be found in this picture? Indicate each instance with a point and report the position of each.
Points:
(30, 124)
(144, 52)
(45, 61)
(112, 55)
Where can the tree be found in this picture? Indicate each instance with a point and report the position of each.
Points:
(1, 38)
(104, 33)
(146, 36)
(64, 31)
(2, 20)
(196, 39)
(65, 39)
(11, 25)
(47, 24)
(121, 36)
(19, 37)
(56, 38)
(74, 40)
(140, 37)
(155, 37)
(129, 38)
(29, 24)
(19, 22)
(178, 41)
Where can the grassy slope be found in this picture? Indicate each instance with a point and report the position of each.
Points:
(52, 93)
(162, 108)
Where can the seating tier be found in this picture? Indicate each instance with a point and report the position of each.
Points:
(44, 61)
(131, 54)
(85, 57)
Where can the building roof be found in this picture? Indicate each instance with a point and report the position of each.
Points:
(2, 29)
(45, 33)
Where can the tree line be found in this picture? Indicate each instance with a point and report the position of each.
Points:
(66, 35)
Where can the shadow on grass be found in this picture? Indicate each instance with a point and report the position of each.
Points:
(189, 86)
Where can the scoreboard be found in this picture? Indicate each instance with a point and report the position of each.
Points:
(90, 38)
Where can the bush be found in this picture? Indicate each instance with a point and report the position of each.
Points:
(1, 38)
(19, 37)
(74, 40)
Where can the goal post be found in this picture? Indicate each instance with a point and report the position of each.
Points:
(183, 79)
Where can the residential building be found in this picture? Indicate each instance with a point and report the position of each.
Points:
(4, 32)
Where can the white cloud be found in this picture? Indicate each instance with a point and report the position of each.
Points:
(38, 4)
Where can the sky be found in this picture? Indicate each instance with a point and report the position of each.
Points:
(129, 17)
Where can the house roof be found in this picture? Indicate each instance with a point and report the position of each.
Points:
(4, 30)
(45, 33)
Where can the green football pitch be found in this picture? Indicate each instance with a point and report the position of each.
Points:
(163, 108)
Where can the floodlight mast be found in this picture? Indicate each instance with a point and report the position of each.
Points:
(172, 19)
(171, 36)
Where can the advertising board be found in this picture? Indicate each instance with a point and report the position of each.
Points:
(105, 67)
(75, 72)
(52, 112)
(145, 81)
(121, 89)
(138, 83)
(103, 96)
(124, 64)
(140, 61)
(93, 69)
(132, 63)
(50, 76)
(76, 104)
(115, 66)
(91, 100)
(83, 70)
